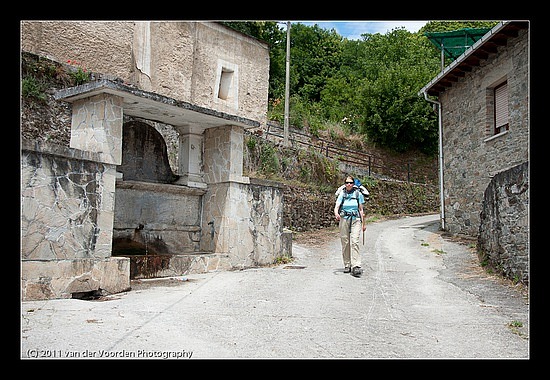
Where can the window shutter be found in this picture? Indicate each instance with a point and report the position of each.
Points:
(501, 105)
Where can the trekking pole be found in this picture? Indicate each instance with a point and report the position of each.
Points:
(363, 226)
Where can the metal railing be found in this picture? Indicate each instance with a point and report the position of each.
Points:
(375, 165)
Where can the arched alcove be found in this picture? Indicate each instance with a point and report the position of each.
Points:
(144, 154)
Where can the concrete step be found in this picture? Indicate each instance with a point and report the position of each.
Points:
(157, 266)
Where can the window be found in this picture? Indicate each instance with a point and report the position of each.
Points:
(226, 86)
(501, 108)
(225, 83)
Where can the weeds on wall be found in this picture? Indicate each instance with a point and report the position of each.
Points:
(37, 74)
(264, 159)
(40, 75)
(78, 72)
(33, 88)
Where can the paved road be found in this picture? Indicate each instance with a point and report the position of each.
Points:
(421, 296)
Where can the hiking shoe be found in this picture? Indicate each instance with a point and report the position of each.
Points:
(347, 269)
(356, 271)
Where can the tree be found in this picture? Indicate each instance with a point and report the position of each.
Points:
(368, 86)
(315, 57)
(375, 91)
(447, 26)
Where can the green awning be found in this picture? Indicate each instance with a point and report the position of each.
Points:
(455, 42)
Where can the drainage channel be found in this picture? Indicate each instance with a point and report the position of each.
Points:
(92, 295)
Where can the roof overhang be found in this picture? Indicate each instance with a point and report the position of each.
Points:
(480, 50)
(152, 106)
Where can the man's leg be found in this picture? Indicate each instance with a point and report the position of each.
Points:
(355, 255)
(345, 240)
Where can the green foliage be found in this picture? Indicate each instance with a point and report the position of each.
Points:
(396, 66)
(367, 86)
(266, 160)
(269, 161)
(368, 182)
(78, 73)
(447, 26)
(37, 73)
(79, 76)
(33, 88)
(283, 259)
(251, 143)
(315, 57)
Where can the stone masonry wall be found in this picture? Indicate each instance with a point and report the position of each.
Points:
(63, 199)
(159, 218)
(243, 222)
(66, 224)
(471, 156)
(307, 210)
(504, 230)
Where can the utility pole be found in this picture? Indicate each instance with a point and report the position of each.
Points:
(287, 85)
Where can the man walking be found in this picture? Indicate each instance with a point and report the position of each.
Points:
(348, 210)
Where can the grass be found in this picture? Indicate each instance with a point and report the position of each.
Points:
(515, 327)
(284, 259)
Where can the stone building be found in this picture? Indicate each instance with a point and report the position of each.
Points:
(483, 105)
(110, 206)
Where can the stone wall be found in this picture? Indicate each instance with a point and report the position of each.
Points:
(244, 222)
(307, 209)
(68, 231)
(504, 230)
(67, 201)
(156, 219)
(208, 81)
(471, 155)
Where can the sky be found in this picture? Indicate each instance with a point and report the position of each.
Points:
(352, 30)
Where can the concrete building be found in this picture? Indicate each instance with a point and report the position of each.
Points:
(109, 207)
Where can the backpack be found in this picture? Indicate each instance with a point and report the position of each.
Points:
(362, 189)
(358, 187)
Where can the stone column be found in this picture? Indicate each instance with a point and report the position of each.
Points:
(190, 160)
(96, 126)
(226, 212)
(223, 155)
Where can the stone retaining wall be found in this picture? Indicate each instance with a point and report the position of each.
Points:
(306, 209)
(504, 230)
(67, 201)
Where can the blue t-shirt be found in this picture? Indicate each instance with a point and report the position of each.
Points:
(350, 201)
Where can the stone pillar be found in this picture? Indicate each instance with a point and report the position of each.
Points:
(190, 160)
(226, 210)
(223, 155)
(96, 126)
